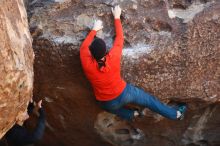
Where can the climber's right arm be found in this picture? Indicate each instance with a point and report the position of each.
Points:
(119, 39)
(38, 132)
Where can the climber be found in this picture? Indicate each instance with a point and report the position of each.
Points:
(102, 68)
(18, 135)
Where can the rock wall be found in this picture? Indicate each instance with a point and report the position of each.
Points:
(16, 62)
(171, 50)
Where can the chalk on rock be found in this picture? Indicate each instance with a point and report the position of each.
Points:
(171, 14)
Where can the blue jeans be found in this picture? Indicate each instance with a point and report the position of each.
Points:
(134, 95)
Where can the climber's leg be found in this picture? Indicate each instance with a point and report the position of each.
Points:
(140, 97)
(116, 106)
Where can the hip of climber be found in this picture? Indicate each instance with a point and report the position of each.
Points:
(19, 135)
(102, 68)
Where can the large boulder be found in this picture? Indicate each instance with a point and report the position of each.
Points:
(16, 62)
(171, 50)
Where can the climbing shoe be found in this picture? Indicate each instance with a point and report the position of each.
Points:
(181, 108)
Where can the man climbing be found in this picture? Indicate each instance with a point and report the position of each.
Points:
(102, 69)
(18, 135)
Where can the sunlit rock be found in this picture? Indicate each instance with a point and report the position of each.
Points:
(16, 62)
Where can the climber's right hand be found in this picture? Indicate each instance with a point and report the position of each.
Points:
(116, 11)
(97, 25)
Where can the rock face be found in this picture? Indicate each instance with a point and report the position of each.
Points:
(171, 50)
(118, 132)
(16, 62)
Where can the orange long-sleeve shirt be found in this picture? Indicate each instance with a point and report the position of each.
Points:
(106, 82)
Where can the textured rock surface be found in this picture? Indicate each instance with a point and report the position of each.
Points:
(175, 59)
(118, 132)
(16, 62)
